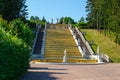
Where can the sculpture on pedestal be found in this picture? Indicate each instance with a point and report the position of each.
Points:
(57, 20)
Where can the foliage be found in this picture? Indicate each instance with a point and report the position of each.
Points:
(35, 20)
(3, 24)
(104, 14)
(14, 56)
(21, 30)
(107, 47)
(31, 24)
(43, 19)
(82, 19)
(81, 23)
(66, 20)
(11, 9)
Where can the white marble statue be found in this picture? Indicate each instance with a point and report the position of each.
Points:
(78, 42)
(65, 56)
(84, 50)
(57, 20)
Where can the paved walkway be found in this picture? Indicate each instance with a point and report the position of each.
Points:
(72, 72)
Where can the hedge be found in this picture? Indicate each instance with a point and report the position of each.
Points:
(14, 54)
(21, 30)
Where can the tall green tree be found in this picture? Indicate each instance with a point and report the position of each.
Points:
(81, 23)
(11, 9)
(43, 19)
(82, 19)
(104, 14)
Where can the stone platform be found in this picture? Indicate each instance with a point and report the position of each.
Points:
(72, 72)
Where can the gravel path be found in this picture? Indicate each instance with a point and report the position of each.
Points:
(72, 72)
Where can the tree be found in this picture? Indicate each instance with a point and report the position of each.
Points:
(104, 14)
(43, 19)
(37, 18)
(11, 9)
(61, 20)
(32, 18)
(66, 20)
(81, 23)
(82, 19)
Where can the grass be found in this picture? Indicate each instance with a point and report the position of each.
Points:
(107, 46)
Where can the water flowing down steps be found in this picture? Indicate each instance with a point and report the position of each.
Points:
(57, 40)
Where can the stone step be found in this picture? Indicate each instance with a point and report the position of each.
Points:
(59, 40)
(68, 60)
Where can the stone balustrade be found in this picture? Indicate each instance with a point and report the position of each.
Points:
(57, 26)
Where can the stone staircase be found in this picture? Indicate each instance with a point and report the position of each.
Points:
(57, 40)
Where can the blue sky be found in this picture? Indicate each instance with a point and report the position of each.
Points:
(57, 9)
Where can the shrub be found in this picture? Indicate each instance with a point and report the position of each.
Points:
(14, 52)
(14, 56)
(3, 24)
(21, 30)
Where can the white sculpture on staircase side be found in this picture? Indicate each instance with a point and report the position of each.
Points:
(65, 56)
(78, 42)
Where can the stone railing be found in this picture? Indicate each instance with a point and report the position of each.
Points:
(74, 37)
(106, 57)
(43, 41)
(84, 41)
(35, 39)
(100, 57)
(57, 26)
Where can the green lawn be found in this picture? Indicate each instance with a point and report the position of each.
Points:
(107, 46)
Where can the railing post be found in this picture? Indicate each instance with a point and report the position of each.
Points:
(106, 57)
